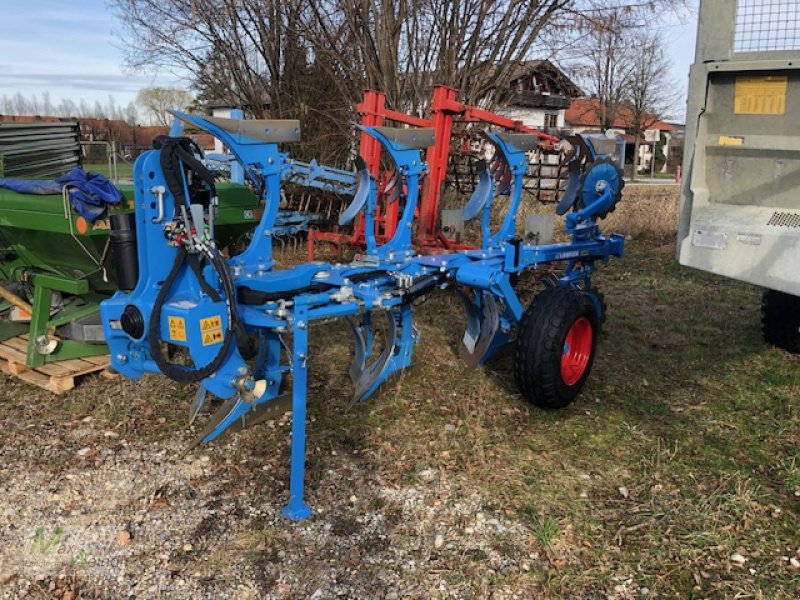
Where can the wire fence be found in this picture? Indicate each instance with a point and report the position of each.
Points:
(108, 159)
(767, 25)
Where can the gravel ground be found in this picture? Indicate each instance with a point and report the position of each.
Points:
(88, 512)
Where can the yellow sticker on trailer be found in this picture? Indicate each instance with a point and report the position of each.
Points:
(760, 95)
(731, 140)
(177, 329)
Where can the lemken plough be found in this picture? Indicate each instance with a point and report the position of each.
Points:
(245, 325)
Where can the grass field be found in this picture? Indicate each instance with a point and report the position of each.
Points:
(124, 170)
(676, 474)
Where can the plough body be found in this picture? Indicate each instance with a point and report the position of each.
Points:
(445, 111)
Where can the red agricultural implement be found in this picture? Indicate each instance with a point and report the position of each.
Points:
(445, 111)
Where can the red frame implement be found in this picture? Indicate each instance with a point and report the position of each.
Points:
(444, 111)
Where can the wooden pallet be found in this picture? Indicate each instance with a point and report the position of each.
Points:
(57, 377)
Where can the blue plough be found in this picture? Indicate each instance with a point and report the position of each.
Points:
(191, 296)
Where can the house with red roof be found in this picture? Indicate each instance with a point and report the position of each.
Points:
(544, 97)
(660, 137)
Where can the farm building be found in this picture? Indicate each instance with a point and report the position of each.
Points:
(541, 94)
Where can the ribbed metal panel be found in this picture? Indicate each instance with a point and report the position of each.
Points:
(39, 150)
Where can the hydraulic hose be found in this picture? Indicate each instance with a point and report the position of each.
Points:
(175, 372)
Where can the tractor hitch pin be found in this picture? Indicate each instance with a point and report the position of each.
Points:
(250, 389)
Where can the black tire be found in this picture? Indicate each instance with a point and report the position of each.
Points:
(780, 320)
(541, 344)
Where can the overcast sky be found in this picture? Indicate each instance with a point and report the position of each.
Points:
(66, 47)
(70, 48)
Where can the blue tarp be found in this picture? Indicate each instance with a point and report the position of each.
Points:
(88, 192)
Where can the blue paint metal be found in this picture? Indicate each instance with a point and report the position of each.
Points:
(320, 177)
(176, 128)
(387, 278)
(483, 193)
(363, 191)
(297, 508)
(237, 172)
(517, 163)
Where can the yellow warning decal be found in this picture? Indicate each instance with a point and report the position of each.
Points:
(211, 323)
(760, 95)
(211, 330)
(212, 337)
(177, 329)
(731, 140)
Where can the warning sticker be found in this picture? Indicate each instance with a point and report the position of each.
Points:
(177, 329)
(210, 323)
(212, 337)
(211, 330)
(760, 95)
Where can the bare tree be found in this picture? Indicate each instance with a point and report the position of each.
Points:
(402, 47)
(33, 106)
(314, 58)
(600, 43)
(157, 101)
(233, 50)
(245, 53)
(603, 63)
(47, 105)
(651, 92)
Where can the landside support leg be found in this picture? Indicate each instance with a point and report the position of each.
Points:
(297, 509)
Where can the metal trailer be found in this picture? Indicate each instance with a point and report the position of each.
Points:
(740, 207)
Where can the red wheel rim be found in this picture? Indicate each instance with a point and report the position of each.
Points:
(577, 350)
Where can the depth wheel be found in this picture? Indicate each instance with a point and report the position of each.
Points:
(780, 320)
(556, 346)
